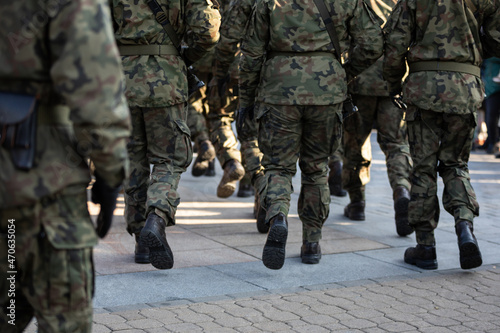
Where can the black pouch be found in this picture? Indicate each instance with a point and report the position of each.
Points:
(348, 107)
(18, 127)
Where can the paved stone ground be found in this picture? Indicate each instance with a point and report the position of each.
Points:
(219, 284)
(448, 301)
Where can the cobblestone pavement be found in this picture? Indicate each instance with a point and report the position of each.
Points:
(448, 301)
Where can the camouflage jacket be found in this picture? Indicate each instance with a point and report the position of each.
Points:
(158, 81)
(371, 82)
(296, 26)
(67, 55)
(430, 30)
(232, 31)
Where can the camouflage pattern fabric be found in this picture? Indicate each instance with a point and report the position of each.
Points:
(159, 81)
(157, 94)
(196, 121)
(440, 143)
(370, 94)
(280, 26)
(282, 143)
(419, 24)
(83, 114)
(53, 281)
(227, 53)
(391, 137)
(442, 104)
(84, 80)
(300, 96)
(160, 137)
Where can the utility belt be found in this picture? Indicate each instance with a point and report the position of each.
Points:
(155, 49)
(446, 66)
(272, 54)
(20, 115)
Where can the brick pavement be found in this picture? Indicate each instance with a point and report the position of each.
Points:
(446, 301)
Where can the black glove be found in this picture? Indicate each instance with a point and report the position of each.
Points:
(241, 116)
(397, 100)
(106, 196)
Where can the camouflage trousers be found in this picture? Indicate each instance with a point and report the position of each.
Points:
(250, 153)
(391, 137)
(54, 284)
(160, 139)
(222, 135)
(196, 118)
(440, 143)
(309, 134)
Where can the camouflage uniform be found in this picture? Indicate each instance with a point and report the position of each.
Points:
(371, 96)
(226, 55)
(157, 96)
(69, 59)
(300, 97)
(442, 104)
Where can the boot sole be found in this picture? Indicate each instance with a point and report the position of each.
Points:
(470, 256)
(424, 264)
(311, 258)
(401, 208)
(227, 184)
(273, 255)
(358, 217)
(142, 259)
(160, 255)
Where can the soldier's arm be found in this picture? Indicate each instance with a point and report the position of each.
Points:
(397, 34)
(203, 19)
(253, 51)
(86, 70)
(232, 31)
(367, 39)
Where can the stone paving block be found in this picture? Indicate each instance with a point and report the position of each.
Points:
(108, 318)
(226, 320)
(184, 328)
(396, 327)
(189, 316)
(144, 323)
(206, 308)
(319, 319)
(272, 326)
(130, 315)
(359, 324)
(99, 328)
(118, 326)
(157, 330)
(437, 321)
(312, 329)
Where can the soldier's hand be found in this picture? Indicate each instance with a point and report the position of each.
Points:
(241, 115)
(106, 196)
(397, 100)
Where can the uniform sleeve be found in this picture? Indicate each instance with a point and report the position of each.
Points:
(253, 51)
(232, 31)
(367, 39)
(86, 71)
(203, 19)
(397, 34)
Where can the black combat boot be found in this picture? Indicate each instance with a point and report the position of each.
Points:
(335, 180)
(233, 172)
(310, 252)
(401, 198)
(273, 255)
(245, 189)
(206, 153)
(211, 169)
(355, 211)
(470, 256)
(153, 237)
(422, 256)
(141, 251)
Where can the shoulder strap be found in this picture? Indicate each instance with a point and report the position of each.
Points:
(327, 20)
(162, 18)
